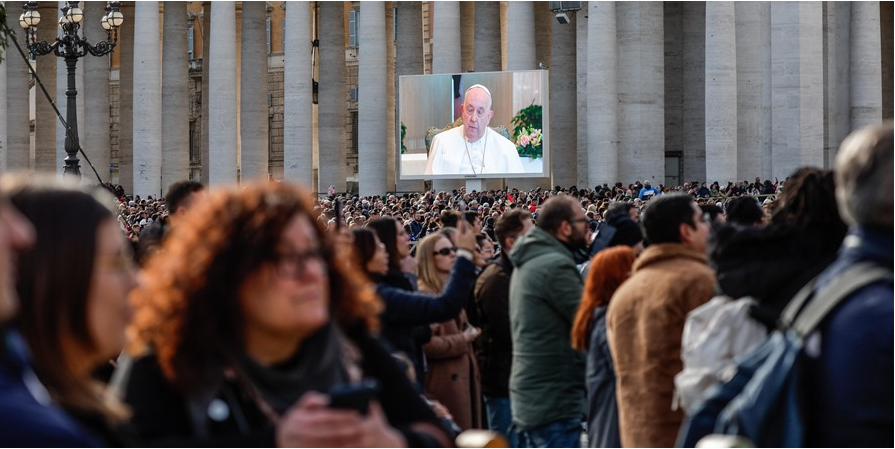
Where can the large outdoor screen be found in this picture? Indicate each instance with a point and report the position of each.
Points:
(436, 142)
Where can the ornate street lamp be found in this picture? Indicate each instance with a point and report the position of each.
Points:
(71, 46)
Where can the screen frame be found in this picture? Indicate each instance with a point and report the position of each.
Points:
(543, 86)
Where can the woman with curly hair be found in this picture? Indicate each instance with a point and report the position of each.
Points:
(246, 317)
(608, 269)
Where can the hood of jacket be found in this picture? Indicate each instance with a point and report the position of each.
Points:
(534, 244)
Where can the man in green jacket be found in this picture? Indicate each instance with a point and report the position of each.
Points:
(547, 377)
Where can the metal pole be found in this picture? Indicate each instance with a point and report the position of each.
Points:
(72, 167)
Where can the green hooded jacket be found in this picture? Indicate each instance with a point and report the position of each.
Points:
(547, 377)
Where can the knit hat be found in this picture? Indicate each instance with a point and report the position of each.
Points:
(626, 233)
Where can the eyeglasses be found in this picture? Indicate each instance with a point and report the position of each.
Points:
(294, 264)
(446, 251)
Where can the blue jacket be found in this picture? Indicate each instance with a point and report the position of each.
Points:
(643, 191)
(848, 378)
(27, 417)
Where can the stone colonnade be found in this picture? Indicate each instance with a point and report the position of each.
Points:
(670, 92)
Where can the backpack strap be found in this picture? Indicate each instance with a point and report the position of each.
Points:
(846, 283)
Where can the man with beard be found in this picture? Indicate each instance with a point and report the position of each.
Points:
(547, 376)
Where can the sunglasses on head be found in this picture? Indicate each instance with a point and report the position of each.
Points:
(446, 251)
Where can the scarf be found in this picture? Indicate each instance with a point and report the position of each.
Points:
(316, 366)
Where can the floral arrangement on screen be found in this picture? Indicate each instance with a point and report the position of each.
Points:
(527, 134)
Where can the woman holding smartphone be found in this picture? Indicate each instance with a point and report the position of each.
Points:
(247, 318)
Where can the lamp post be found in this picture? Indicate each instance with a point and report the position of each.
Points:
(71, 46)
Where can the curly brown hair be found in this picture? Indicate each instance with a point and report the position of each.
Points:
(187, 308)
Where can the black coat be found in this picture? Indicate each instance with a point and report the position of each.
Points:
(407, 314)
(162, 416)
(770, 264)
(492, 298)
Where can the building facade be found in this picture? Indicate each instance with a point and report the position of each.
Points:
(225, 92)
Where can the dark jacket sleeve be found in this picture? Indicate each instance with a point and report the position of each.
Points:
(403, 308)
(161, 419)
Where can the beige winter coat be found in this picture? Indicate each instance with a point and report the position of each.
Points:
(645, 321)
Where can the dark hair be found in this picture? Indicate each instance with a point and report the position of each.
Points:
(744, 210)
(663, 216)
(809, 198)
(195, 325)
(617, 211)
(53, 282)
(386, 229)
(178, 192)
(809, 202)
(555, 211)
(713, 211)
(449, 218)
(364, 245)
(510, 225)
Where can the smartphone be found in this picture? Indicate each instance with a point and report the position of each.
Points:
(338, 213)
(354, 396)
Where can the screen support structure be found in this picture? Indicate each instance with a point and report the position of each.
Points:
(473, 184)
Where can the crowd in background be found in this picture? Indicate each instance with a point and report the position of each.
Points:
(265, 316)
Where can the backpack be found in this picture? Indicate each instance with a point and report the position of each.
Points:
(715, 333)
(760, 398)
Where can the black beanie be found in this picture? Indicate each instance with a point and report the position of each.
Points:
(626, 233)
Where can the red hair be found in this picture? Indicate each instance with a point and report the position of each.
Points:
(608, 269)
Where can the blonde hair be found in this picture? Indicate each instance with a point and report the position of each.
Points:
(429, 277)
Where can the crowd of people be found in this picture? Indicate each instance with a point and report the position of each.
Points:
(264, 316)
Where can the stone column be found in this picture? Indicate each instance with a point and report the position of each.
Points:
(409, 57)
(693, 91)
(602, 102)
(175, 96)
(125, 48)
(641, 90)
(446, 56)
(96, 121)
(797, 83)
(371, 76)
(467, 36)
(837, 63)
(221, 96)
(391, 98)
(147, 101)
(521, 55)
(753, 48)
(521, 36)
(581, 94)
(865, 69)
(720, 92)
(446, 37)
(563, 114)
(487, 36)
(253, 93)
(331, 108)
(298, 152)
(487, 55)
(45, 118)
(15, 139)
